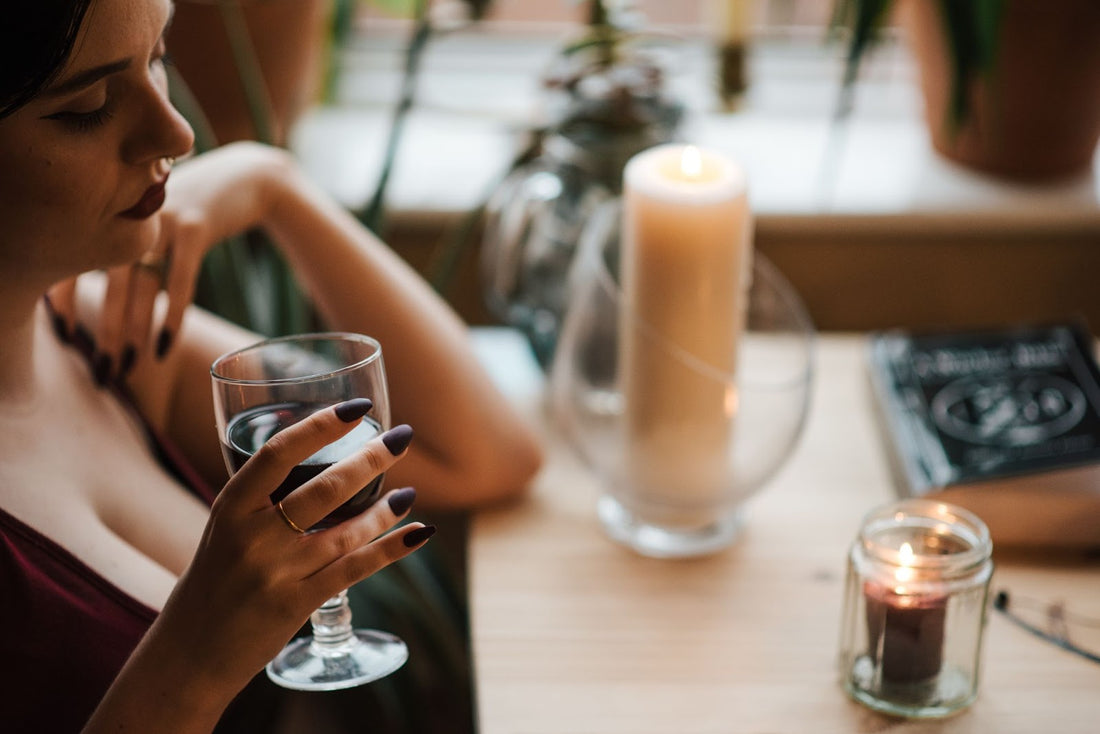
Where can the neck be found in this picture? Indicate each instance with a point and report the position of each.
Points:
(24, 327)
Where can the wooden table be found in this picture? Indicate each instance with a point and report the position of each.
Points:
(573, 634)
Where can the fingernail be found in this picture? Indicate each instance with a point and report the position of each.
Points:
(83, 339)
(102, 369)
(60, 327)
(164, 341)
(129, 356)
(353, 410)
(401, 500)
(416, 536)
(57, 320)
(398, 438)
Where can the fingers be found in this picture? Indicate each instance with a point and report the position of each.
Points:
(356, 566)
(145, 283)
(152, 273)
(61, 302)
(359, 531)
(127, 322)
(314, 500)
(356, 556)
(269, 467)
(123, 322)
(112, 324)
(180, 285)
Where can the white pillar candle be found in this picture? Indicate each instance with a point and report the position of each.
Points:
(685, 268)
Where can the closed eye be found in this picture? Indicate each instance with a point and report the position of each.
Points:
(83, 121)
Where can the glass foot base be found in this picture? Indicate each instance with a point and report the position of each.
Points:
(654, 541)
(368, 656)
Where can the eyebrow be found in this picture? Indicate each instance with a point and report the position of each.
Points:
(86, 78)
(90, 76)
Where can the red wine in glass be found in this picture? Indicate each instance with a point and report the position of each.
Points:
(262, 389)
(247, 431)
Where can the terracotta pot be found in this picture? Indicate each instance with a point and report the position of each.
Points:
(289, 41)
(1037, 114)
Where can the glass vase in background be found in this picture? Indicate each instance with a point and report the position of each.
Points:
(769, 397)
(605, 100)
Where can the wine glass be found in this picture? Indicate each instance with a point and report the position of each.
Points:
(266, 387)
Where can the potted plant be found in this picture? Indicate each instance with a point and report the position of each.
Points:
(605, 99)
(252, 65)
(1011, 87)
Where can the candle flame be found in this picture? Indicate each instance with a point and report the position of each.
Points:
(906, 553)
(691, 162)
(905, 572)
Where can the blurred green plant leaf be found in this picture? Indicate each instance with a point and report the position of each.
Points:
(971, 29)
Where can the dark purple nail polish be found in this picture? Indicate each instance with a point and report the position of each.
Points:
(398, 438)
(164, 341)
(417, 536)
(102, 369)
(353, 410)
(83, 339)
(60, 326)
(401, 500)
(126, 363)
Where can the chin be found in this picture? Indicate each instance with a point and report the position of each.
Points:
(138, 238)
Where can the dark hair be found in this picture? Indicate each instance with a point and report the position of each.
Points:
(35, 43)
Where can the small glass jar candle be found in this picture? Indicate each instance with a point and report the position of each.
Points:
(915, 607)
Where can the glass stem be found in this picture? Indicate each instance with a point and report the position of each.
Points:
(332, 625)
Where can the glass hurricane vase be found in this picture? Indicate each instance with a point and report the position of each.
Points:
(696, 507)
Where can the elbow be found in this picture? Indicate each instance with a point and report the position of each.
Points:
(501, 474)
(514, 470)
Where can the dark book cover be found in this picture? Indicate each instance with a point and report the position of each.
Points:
(984, 408)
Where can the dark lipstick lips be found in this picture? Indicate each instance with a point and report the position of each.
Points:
(151, 200)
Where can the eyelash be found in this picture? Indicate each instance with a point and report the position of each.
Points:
(87, 121)
(84, 121)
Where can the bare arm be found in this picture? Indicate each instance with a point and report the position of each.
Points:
(471, 448)
(474, 449)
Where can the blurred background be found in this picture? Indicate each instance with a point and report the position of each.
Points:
(921, 164)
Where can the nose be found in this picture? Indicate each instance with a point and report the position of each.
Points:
(159, 131)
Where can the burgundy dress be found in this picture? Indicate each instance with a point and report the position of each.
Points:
(65, 631)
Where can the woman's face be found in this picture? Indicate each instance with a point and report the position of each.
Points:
(82, 164)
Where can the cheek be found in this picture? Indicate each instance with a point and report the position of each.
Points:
(45, 190)
(51, 209)
(73, 185)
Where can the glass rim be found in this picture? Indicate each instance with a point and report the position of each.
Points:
(941, 518)
(331, 336)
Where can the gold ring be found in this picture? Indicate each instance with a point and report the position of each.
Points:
(155, 265)
(286, 518)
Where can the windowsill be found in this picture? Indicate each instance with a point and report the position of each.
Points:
(894, 235)
(479, 90)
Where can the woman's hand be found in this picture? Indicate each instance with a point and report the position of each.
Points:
(209, 198)
(256, 577)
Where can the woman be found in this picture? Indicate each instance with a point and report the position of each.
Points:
(128, 602)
